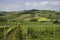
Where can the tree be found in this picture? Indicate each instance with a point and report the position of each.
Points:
(3, 20)
(58, 13)
(49, 16)
(33, 20)
(56, 21)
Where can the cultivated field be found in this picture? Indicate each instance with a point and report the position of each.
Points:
(29, 31)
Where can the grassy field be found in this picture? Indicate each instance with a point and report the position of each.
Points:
(30, 31)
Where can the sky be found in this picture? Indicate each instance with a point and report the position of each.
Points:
(18, 5)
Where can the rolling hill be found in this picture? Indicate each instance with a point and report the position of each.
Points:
(30, 25)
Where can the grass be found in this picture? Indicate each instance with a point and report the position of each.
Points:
(33, 30)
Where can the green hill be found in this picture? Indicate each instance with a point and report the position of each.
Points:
(30, 25)
(28, 15)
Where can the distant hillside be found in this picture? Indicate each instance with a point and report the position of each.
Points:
(28, 15)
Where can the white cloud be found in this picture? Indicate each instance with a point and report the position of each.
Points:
(11, 7)
(55, 3)
(35, 4)
(31, 4)
(44, 3)
(27, 3)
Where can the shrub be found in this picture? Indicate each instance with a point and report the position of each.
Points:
(33, 20)
(56, 21)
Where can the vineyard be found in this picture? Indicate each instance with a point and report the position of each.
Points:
(30, 25)
(29, 31)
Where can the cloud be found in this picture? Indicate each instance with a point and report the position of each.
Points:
(31, 4)
(44, 3)
(11, 7)
(35, 4)
(55, 3)
(27, 3)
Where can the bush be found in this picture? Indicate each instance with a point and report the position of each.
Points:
(33, 20)
(56, 21)
(3, 20)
